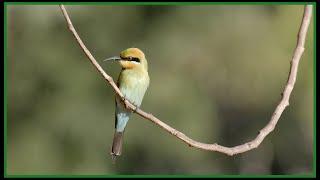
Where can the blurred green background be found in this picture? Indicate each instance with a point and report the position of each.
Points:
(217, 73)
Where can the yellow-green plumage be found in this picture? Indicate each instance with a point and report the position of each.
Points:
(133, 82)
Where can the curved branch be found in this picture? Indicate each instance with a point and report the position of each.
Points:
(284, 102)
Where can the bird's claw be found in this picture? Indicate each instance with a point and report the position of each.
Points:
(123, 98)
(127, 106)
(124, 102)
(136, 107)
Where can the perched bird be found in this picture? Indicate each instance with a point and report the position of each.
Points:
(133, 82)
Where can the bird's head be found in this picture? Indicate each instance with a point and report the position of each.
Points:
(131, 58)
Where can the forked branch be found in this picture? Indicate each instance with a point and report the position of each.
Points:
(284, 102)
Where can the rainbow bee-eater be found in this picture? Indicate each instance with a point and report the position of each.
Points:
(133, 82)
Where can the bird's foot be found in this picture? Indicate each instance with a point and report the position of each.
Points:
(123, 98)
(136, 107)
(124, 102)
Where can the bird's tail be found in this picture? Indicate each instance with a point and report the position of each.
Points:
(116, 145)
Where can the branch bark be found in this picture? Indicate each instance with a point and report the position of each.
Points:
(284, 102)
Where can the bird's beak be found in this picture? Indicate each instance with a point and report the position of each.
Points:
(114, 58)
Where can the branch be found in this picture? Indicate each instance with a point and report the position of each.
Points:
(284, 102)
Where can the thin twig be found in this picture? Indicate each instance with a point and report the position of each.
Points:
(284, 102)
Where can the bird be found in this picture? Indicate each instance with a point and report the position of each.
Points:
(133, 82)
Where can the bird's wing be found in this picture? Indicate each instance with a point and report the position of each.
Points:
(116, 104)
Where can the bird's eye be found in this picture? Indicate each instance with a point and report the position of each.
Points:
(130, 58)
(136, 60)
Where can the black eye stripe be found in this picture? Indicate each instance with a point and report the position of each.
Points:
(130, 58)
(135, 59)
